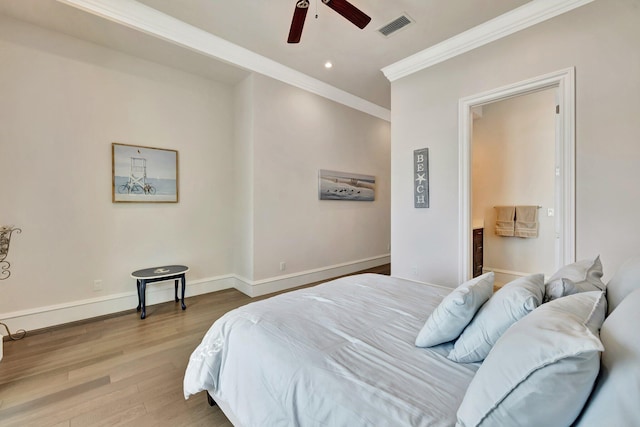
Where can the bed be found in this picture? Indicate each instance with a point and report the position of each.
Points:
(344, 353)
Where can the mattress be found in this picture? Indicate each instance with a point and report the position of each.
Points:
(337, 354)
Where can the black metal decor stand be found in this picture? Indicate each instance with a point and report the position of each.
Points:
(5, 240)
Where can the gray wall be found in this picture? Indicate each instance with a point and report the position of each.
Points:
(602, 41)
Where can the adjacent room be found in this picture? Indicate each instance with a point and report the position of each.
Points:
(310, 213)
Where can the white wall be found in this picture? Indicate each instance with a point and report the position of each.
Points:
(244, 164)
(296, 134)
(602, 41)
(64, 101)
(514, 164)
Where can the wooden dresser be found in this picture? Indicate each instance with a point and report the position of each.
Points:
(478, 238)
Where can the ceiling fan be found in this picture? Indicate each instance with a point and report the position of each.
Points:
(343, 7)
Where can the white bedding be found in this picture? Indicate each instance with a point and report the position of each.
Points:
(338, 354)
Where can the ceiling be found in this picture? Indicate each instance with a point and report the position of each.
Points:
(262, 27)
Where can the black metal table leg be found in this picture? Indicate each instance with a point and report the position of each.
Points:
(143, 289)
(138, 287)
(184, 282)
(176, 285)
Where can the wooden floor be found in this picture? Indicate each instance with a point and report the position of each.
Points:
(113, 371)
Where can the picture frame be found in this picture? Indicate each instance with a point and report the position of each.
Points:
(333, 185)
(141, 174)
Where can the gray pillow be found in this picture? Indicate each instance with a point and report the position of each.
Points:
(512, 302)
(615, 400)
(455, 311)
(541, 371)
(581, 276)
(625, 281)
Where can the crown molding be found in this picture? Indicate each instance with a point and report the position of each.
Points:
(525, 16)
(140, 17)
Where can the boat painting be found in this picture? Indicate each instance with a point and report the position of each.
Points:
(334, 185)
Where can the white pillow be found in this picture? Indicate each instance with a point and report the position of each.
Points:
(581, 276)
(541, 371)
(615, 400)
(625, 281)
(512, 302)
(455, 311)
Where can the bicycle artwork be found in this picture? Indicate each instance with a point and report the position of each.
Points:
(130, 188)
(132, 168)
(137, 179)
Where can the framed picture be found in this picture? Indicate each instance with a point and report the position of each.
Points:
(334, 185)
(143, 174)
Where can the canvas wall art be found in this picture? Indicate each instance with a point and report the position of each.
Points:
(144, 174)
(334, 185)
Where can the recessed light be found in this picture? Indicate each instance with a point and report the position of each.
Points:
(328, 64)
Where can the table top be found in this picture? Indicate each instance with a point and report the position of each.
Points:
(163, 271)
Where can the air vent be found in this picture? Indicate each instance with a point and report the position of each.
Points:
(395, 25)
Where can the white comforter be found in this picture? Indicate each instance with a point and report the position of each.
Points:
(338, 354)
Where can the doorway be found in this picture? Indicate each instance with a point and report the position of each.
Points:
(513, 162)
(562, 83)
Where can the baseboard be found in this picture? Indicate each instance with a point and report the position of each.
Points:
(255, 288)
(43, 317)
(59, 314)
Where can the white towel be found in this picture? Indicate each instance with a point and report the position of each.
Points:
(526, 221)
(505, 216)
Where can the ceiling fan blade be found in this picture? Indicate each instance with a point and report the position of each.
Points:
(349, 11)
(297, 23)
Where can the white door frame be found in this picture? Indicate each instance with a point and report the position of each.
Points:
(564, 82)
